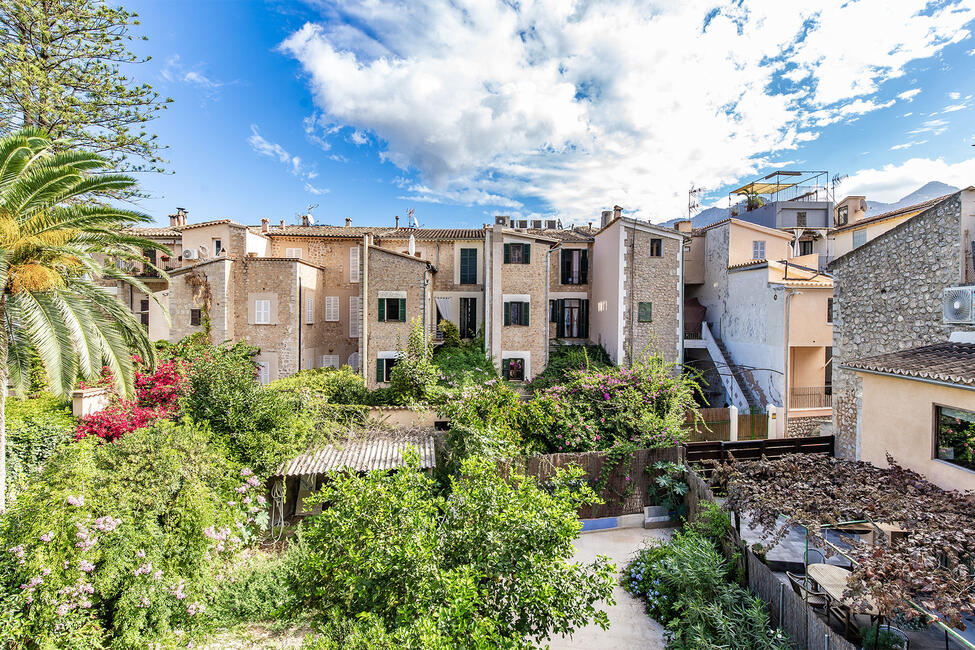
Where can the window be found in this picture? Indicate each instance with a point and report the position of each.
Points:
(354, 264)
(829, 310)
(328, 361)
(571, 318)
(332, 308)
(309, 311)
(144, 305)
(955, 437)
(842, 215)
(758, 249)
(517, 253)
(575, 266)
(217, 246)
(516, 313)
(645, 312)
(553, 311)
(468, 318)
(800, 219)
(806, 247)
(263, 372)
(656, 247)
(383, 369)
(859, 237)
(293, 252)
(144, 318)
(354, 360)
(392, 310)
(468, 266)
(150, 254)
(195, 317)
(262, 312)
(513, 369)
(355, 316)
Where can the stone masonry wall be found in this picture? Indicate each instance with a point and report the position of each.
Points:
(888, 297)
(279, 340)
(803, 427)
(656, 280)
(555, 285)
(527, 279)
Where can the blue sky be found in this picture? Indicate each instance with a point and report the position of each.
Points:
(463, 110)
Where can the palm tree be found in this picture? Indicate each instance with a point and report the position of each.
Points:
(56, 243)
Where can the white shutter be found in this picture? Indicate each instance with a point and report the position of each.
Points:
(355, 316)
(354, 360)
(758, 249)
(262, 312)
(328, 361)
(264, 372)
(292, 252)
(354, 264)
(331, 308)
(310, 311)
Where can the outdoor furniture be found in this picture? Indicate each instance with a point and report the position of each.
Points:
(800, 585)
(832, 581)
(811, 555)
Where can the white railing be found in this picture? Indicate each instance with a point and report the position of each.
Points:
(728, 379)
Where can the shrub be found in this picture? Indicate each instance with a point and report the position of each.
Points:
(117, 420)
(342, 386)
(451, 334)
(414, 376)
(36, 428)
(567, 358)
(464, 365)
(122, 542)
(490, 560)
(711, 522)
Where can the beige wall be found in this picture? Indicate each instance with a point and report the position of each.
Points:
(778, 246)
(808, 366)
(694, 260)
(843, 240)
(232, 238)
(522, 279)
(605, 314)
(897, 417)
(808, 312)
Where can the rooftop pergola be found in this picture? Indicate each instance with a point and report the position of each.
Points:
(785, 184)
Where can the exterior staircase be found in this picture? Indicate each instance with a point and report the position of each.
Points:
(754, 402)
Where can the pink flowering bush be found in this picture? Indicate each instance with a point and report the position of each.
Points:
(122, 544)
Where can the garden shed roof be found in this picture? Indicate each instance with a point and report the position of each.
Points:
(375, 449)
(951, 362)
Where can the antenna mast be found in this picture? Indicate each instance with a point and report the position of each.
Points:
(693, 205)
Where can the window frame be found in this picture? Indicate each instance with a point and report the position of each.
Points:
(640, 313)
(936, 436)
(355, 317)
(467, 252)
(196, 315)
(217, 243)
(290, 252)
(524, 253)
(354, 271)
(656, 248)
(332, 303)
(859, 231)
(829, 310)
(259, 311)
(382, 313)
(801, 219)
(506, 368)
(759, 245)
(524, 313)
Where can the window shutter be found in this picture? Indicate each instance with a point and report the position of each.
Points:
(566, 266)
(382, 310)
(507, 253)
(504, 367)
(507, 313)
(380, 375)
(551, 312)
(354, 264)
(354, 315)
(584, 319)
(402, 310)
(525, 308)
(584, 268)
(526, 256)
(559, 319)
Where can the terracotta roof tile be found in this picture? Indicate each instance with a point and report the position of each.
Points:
(150, 231)
(953, 363)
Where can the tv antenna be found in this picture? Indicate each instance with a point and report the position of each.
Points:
(307, 214)
(836, 180)
(411, 219)
(693, 204)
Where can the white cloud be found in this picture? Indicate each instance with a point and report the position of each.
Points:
(294, 164)
(907, 145)
(954, 96)
(891, 182)
(934, 127)
(174, 71)
(586, 104)
(954, 107)
(909, 95)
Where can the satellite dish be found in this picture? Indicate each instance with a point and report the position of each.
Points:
(311, 220)
(412, 245)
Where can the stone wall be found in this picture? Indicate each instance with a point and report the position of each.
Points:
(526, 279)
(657, 280)
(278, 341)
(803, 427)
(558, 290)
(888, 297)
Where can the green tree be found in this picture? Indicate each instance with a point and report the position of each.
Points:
(488, 565)
(414, 376)
(61, 73)
(53, 243)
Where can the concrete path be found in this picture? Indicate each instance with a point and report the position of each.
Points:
(629, 626)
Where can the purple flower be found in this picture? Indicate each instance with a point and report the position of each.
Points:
(76, 501)
(606, 396)
(46, 537)
(86, 566)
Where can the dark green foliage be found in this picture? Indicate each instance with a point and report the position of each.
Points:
(259, 587)
(36, 428)
(459, 365)
(711, 522)
(669, 487)
(451, 334)
(335, 386)
(414, 377)
(876, 637)
(565, 358)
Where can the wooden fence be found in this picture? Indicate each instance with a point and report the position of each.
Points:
(787, 611)
(699, 452)
(627, 489)
(714, 425)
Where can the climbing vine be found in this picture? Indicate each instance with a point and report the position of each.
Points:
(615, 456)
(202, 296)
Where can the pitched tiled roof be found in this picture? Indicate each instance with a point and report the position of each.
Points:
(430, 233)
(893, 214)
(321, 231)
(953, 363)
(214, 222)
(153, 231)
(574, 235)
(374, 450)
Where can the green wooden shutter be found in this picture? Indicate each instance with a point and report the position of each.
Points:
(507, 253)
(504, 368)
(566, 266)
(382, 310)
(559, 319)
(525, 308)
(402, 309)
(507, 313)
(468, 266)
(380, 374)
(584, 319)
(526, 256)
(584, 266)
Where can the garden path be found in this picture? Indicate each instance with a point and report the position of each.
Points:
(629, 625)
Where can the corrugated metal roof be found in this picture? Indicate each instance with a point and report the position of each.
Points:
(373, 450)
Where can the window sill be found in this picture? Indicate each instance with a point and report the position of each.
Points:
(954, 465)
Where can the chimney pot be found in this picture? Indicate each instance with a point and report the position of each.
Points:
(617, 212)
(684, 226)
(605, 218)
(282, 224)
(173, 220)
(348, 222)
(265, 225)
(397, 221)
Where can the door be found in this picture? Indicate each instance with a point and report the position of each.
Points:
(468, 318)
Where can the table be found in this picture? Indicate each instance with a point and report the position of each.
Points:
(832, 580)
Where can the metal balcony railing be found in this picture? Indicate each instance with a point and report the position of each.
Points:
(811, 397)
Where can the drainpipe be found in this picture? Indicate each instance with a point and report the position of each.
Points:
(424, 302)
(300, 308)
(548, 274)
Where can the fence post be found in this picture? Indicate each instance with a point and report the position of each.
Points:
(733, 423)
(773, 431)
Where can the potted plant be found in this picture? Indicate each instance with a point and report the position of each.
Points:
(667, 491)
(882, 637)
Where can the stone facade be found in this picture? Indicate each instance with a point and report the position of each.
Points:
(557, 290)
(888, 297)
(804, 427)
(519, 280)
(657, 280)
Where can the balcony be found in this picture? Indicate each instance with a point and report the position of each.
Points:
(811, 397)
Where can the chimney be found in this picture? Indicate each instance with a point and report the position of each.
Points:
(397, 221)
(180, 217)
(173, 220)
(265, 225)
(684, 226)
(282, 224)
(606, 217)
(617, 212)
(305, 221)
(348, 222)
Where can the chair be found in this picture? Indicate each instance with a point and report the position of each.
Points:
(815, 599)
(812, 553)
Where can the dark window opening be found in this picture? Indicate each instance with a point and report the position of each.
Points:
(513, 369)
(806, 247)
(575, 266)
(468, 318)
(955, 441)
(829, 310)
(392, 310)
(384, 369)
(195, 317)
(800, 219)
(571, 317)
(656, 247)
(517, 253)
(829, 370)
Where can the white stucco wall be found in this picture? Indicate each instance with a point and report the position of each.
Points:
(259, 244)
(605, 315)
(754, 331)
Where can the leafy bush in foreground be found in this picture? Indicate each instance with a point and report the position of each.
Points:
(36, 428)
(567, 358)
(460, 365)
(342, 386)
(492, 560)
(122, 542)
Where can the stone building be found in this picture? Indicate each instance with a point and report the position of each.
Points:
(889, 296)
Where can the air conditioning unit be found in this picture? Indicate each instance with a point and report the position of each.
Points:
(501, 220)
(551, 224)
(537, 223)
(190, 254)
(959, 305)
(523, 223)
